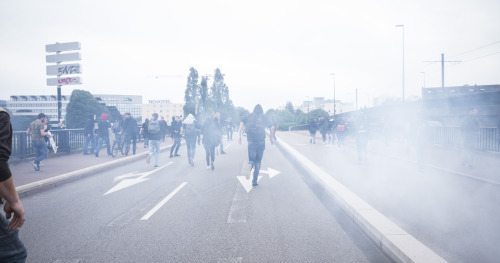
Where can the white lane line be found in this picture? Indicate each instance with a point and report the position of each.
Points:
(160, 204)
(237, 212)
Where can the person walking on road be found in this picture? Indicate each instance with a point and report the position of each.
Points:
(470, 132)
(211, 138)
(341, 132)
(313, 127)
(103, 134)
(154, 135)
(190, 127)
(163, 128)
(144, 132)
(255, 125)
(229, 128)
(220, 129)
(130, 133)
(12, 248)
(38, 134)
(176, 136)
(88, 132)
(323, 128)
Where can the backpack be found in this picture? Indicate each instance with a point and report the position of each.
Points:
(153, 127)
(340, 128)
(190, 130)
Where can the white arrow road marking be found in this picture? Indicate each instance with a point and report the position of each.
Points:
(270, 171)
(160, 204)
(129, 182)
(247, 184)
(121, 177)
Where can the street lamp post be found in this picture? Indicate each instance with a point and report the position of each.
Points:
(403, 27)
(334, 103)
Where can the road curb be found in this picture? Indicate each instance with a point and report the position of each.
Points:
(392, 240)
(36, 187)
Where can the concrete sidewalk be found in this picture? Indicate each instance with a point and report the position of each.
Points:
(62, 167)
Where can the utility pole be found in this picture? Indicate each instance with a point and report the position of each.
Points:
(442, 68)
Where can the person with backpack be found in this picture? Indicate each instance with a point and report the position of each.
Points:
(255, 125)
(312, 127)
(210, 140)
(176, 136)
(190, 128)
(154, 135)
(341, 132)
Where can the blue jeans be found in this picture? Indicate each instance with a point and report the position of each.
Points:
(177, 144)
(99, 145)
(11, 247)
(40, 150)
(191, 147)
(255, 153)
(154, 148)
(89, 140)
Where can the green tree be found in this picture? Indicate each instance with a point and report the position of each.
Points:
(192, 92)
(219, 100)
(241, 114)
(82, 104)
(318, 113)
(289, 107)
(202, 106)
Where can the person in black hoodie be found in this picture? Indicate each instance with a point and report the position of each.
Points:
(210, 140)
(176, 136)
(103, 134)
(130, 132)
(88, 133)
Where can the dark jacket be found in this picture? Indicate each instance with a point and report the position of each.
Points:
(130, 126)
(103, 128)
(5, 136)
(210, 133)
(176, 129)
(153, 136)
(89, 127)
(255, 126)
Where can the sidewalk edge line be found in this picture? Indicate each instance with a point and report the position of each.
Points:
(389, 237)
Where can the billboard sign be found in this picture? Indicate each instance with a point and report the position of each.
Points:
(64, 81)
(63, 57)
(59, 47)
(64, 69)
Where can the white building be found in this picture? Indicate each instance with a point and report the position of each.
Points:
(326, 105)
(31, 105)
(164, 108)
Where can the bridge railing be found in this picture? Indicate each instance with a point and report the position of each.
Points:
(488, 139)
(67, 140)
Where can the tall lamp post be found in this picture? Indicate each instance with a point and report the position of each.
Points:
(334, 103)
(403, 27)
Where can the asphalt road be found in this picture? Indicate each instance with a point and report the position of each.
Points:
(178, 213)
(455, 216)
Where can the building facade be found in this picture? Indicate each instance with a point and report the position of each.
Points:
(31, 105)
(326, 105)
(164, 108)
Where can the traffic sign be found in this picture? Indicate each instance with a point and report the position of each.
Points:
(64, 69)
(63, 57)
(58, 47)
(64, 81)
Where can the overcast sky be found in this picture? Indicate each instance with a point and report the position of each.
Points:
(271, 52)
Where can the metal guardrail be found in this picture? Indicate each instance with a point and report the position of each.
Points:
(488, 139)
(67, 140)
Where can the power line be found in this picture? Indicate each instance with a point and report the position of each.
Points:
(472, 50)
